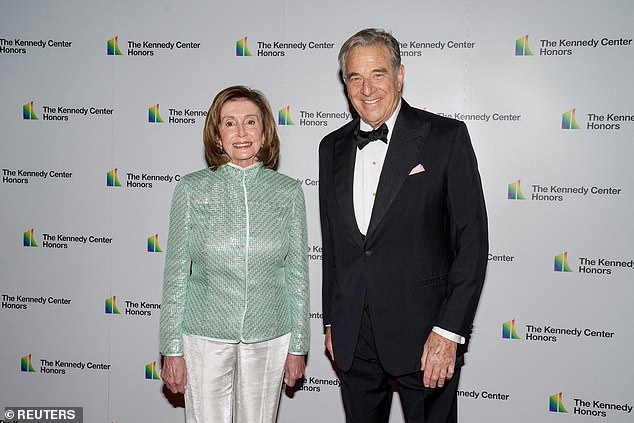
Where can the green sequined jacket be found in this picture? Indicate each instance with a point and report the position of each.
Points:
(236, 267)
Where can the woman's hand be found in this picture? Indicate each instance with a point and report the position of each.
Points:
(294, 368)
(174, 374)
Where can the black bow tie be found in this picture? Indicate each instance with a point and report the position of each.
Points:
(363, 138)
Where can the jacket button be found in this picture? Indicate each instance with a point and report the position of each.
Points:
(368, 253)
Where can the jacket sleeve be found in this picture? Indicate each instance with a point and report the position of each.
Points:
(177, 266)
(297, 279)
(328, 267)
(468, 236)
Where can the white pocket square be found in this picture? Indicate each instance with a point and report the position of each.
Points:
(417, 169)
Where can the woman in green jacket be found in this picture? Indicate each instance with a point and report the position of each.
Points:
(235, 310)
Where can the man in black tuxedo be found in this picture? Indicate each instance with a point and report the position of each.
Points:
(405, 243)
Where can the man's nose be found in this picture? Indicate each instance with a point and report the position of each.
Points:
(366, 87)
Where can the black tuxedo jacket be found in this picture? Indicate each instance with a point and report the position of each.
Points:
(423, 260)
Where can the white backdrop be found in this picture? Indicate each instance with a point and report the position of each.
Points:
(70, 114)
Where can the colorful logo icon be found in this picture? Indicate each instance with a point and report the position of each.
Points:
(569, 120)
(508, 330)
(113, 47)
(556, 403)
(561, 263)
(284, 116)
(111, 305)
(150, 371)
(515, 191)
(154, 115)
(26, 365)
(242, 48)
(28, 239)
(112, 178)
(28, 111)
(521, 46)
(153, 245)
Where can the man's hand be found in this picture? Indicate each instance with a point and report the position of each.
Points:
(174, 374)
(328, 342)
(438, 360)
(294, 368)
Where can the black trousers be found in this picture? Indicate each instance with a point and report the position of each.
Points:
(367, 389)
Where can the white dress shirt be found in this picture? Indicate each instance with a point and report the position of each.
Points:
(367, 171)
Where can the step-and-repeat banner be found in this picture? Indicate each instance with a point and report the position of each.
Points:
(102, 106)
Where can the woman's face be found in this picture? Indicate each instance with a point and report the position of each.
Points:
(241, 131)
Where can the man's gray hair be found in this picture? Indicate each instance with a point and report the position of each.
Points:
(369, 37)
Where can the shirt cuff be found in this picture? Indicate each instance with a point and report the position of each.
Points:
(449, 335)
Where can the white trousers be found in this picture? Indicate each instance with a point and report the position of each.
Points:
(228, 383)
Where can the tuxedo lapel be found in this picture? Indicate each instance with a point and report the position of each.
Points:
(404, 147)
(345, 155)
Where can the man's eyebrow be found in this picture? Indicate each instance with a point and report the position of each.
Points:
(382, 70)
(375, 70)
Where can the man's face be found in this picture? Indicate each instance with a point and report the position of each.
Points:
(373, 87)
